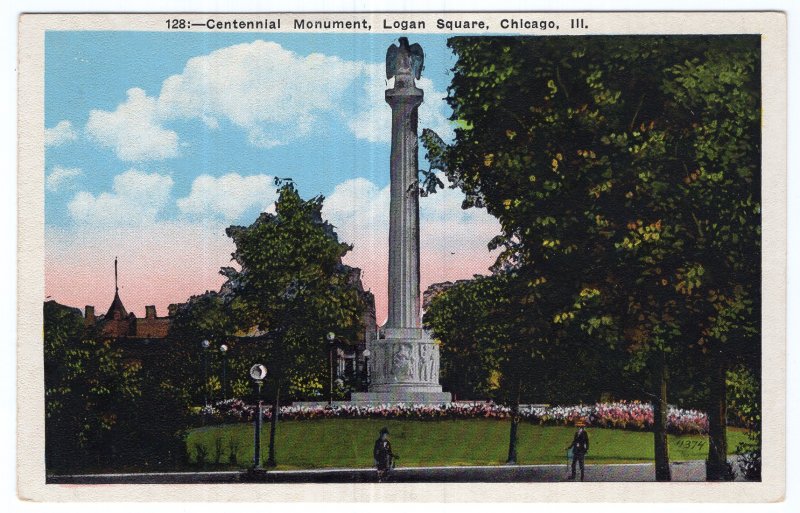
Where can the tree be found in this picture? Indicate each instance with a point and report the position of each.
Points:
(290, 289)
(461, 318)
(717, 105)
(63, 328)
(610, 162)
(492, 343)
(507, 156)
(88, 387)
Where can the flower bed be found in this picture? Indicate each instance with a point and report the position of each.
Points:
(618, 415)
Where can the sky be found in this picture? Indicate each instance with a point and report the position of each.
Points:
(155, 142)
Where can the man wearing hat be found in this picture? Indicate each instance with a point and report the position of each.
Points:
(579, 446)
(383, 454)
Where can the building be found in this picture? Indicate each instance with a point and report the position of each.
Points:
(117, 323)
(349, 360)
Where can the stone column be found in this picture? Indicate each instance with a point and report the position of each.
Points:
(404, 366)
(404, 304)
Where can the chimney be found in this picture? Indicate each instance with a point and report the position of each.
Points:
(172, 309)
(89, 316)
(150, 312)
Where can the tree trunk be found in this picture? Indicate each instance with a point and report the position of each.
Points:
(661, 447)
(717, 468)
(512, 442)
(276, 406)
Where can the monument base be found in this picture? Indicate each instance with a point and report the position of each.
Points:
(404, 369)
(398, 396)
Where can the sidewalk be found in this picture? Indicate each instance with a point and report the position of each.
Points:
(634, 472)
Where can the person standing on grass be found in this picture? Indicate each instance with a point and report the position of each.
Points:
(384, 457)
(579, 446)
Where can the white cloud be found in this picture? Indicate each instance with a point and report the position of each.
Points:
(59, 134)
(134, 130)
(136, 199)
(452, 240)
(273, 93)
(60, 177)
(373, 121)
(228, 196)
(360, 212)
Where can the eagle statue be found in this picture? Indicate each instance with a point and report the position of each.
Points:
(404, 60)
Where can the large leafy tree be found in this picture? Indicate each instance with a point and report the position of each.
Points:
(290, 289)
(512, 155)
(624, 173)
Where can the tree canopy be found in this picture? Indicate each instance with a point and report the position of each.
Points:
(291, 286)
(625, 173)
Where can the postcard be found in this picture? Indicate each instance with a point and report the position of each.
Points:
(402, 256)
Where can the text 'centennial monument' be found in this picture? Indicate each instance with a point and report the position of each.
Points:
(405, 364)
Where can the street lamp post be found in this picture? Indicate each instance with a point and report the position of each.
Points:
(330, 337)
(224, 350)
(257, 372)
(205, 344)
(366, 354)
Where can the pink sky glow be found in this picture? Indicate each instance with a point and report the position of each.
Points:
(168, 261)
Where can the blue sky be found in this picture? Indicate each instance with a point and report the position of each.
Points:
(156, 141)
(88, 71)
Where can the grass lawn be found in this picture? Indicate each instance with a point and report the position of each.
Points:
(348, 443)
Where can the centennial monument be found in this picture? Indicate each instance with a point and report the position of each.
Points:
(405, 364)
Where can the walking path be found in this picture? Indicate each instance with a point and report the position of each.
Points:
(634, 472)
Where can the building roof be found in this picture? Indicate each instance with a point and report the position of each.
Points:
(116, 306)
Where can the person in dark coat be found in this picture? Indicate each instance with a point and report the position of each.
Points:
(384, 457)
(579, 446)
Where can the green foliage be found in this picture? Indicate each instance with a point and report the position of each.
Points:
(289, 289)
(436, 149)
(292, 287)
(240, 387)
(185, 365)
(620, 165)
(475, 322)
(86, 382)
(63, 327)
(473, 339)
(203, 317)
(744, 397)
(625, 173)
